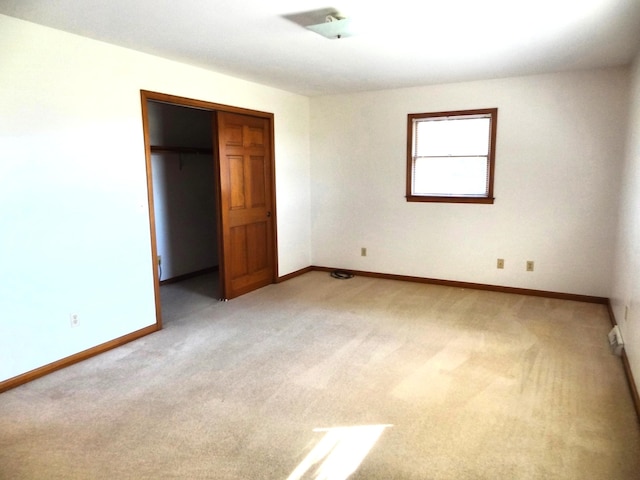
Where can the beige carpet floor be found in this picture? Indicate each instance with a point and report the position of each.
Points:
(318, 378)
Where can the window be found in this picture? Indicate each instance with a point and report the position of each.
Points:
(451, 156)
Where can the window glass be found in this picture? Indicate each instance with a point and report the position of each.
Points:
(451, 156)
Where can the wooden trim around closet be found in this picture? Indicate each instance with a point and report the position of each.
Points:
(203, 104)
(152, 214)
(146, 96)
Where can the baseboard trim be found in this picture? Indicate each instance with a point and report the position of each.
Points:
(612, 317)
(78, 357)
(295, 274)
(633, 389)
(476, 286)
(186, 276)
(632, 384)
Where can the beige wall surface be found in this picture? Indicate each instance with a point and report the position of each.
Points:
(560, 149)
(625, 296)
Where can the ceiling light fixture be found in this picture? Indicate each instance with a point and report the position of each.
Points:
(334, 26)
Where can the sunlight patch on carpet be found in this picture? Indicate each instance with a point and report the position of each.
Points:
(339, 453)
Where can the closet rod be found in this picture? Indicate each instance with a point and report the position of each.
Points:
(168, 149)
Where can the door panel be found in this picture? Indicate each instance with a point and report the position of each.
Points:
(246, 179)
(238, 255)
(258, 194)
(236, 181)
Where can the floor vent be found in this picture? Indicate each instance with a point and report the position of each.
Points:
(615, 341)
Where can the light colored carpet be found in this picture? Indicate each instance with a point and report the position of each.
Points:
(437, 383)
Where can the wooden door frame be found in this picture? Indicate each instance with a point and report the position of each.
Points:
(146, 96)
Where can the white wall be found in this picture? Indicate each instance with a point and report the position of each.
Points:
(626, 285)
(185, 212)
(559, 153)
(73, 200)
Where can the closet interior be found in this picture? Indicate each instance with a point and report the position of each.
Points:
(185, 206)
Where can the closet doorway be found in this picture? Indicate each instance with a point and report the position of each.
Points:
(211, 189)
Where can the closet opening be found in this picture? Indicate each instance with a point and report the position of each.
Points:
(185, 207)
(211, 192)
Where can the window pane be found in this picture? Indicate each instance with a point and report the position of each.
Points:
(446, 176)
(458, 136)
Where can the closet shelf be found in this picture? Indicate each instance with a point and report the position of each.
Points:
(168, 149)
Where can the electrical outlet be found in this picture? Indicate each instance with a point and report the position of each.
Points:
(500, 263)
(363, 252)
(626, 312)
(159, 259)
(74, 320)
(529, 265)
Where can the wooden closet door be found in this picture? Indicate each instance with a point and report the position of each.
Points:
(247, 201)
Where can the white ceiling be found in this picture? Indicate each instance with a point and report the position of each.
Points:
(402, 43)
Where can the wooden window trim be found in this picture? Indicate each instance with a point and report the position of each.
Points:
(489, 198)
